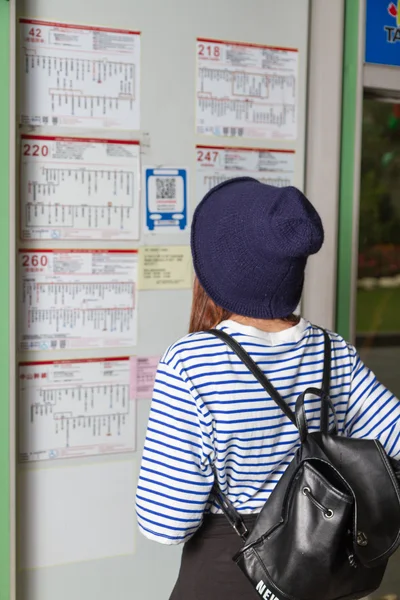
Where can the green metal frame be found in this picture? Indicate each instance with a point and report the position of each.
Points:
(5, 531)
(347, 167)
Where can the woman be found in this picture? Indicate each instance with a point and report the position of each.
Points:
(250, 244)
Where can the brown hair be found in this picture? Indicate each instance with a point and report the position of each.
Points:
(207, 315)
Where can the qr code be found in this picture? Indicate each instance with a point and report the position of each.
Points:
(165, 188)
(45, 120)
(55, 120)
(63, 344)
(53, 344)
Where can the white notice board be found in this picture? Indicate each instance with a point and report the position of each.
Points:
(216, 164)
(152, 97)
(71, 299)
(79, 188)
(79, 76)
(76, 408)
(246, 90)
(92, 516)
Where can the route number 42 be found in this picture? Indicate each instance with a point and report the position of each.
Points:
(35, 32)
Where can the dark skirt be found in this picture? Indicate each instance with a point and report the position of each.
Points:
(207, 570)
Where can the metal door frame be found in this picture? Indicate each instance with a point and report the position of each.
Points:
(324, 117)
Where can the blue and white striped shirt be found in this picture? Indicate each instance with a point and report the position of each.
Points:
(207, 409)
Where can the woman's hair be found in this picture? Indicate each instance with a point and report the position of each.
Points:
(207, 315)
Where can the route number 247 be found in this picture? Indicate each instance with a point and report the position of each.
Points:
(207, 155)
(35, 150)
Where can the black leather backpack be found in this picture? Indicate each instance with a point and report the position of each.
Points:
(333, 520)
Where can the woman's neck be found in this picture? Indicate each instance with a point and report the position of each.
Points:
(268, 325)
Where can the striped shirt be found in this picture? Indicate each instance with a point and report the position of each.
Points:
(207, 408)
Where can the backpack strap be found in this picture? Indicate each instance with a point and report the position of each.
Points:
(226, 505)
(256, 371)
(267, 385)
(326, 382)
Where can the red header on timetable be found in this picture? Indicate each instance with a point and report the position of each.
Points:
(246, 44)
(244, 149)
(52, 138)
(74, 26)
(76, 251)
(73, 360)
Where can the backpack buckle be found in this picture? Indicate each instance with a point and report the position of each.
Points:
(241, 529)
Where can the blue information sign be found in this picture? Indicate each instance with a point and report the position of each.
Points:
(382, 34)
(166, 199)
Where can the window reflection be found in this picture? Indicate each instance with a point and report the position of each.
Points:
(378, 284)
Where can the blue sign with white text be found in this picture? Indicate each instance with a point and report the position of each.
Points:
(382, 33)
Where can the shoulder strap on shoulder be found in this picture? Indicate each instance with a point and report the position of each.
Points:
(227, 507)
(326, 381)
(267, 385)
(255, 370)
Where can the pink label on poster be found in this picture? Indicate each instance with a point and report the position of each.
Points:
(145, 376)
(143, 371)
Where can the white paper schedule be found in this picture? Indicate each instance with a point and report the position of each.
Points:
(216, 164)
(246, 90)
(75, 408)
(79, 76)
(77, 299)
(79, 188)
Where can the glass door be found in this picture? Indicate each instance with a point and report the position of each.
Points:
(378, 282)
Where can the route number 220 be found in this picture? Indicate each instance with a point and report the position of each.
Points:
(35, 150)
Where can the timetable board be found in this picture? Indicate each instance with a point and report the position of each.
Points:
(79, 188)
(246, 90)
(100, 567)
(73, 299)
(79, 76)
(76, 408)
(216, 164)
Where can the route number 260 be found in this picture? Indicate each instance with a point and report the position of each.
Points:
(34, 260)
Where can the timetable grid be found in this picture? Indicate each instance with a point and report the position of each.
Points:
(79, 76)
(75, 408)
(72, 299)
(77, 188)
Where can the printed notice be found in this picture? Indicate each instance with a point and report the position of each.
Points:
(246, 90)
(217, 164)
(77, 299)
(78, 188)
(79, 76)
(75, 408)
(143, 375)
(165, 268)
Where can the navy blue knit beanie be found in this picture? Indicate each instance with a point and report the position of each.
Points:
(250, 244)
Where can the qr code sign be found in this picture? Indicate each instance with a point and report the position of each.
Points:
(165, 188)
